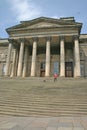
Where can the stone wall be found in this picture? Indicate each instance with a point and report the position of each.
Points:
(3, 57)
(83, 58)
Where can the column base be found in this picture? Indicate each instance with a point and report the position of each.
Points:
(77, 76)
(47, 75)
(32, 76)
(6, 75)
(62, 76)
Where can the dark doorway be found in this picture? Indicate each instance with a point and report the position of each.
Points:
(69, 69)
(42, 73)
(56, 67)
(42, 69)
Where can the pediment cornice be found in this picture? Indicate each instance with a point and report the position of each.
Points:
(44, 22)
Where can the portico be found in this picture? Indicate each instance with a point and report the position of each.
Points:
(44, 46)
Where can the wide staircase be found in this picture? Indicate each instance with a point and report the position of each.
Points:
(43, 97)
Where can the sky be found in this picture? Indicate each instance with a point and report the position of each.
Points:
(14, 11)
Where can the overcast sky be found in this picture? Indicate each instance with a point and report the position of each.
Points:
(14, 11)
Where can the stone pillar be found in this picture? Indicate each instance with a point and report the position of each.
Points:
(14, 63)
(8, 60)
(17, 58)
(34, 52)
(77, 72)
(62, 57)
(25, 62)
(20, 62)
(47, 67)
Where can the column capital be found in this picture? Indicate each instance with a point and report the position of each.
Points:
(21, 40)
(75, 37)
(10, 40)
(48, 38)
(62, 38)
(35, 39)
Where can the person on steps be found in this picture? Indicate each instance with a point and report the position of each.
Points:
(55, 77)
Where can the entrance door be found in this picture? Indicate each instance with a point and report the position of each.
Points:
(56, 67)
(42, 69)
(42, 73)
(68, 69)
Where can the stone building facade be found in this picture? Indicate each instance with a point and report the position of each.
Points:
(44, 46)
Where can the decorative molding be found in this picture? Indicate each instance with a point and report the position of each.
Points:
(35, 39)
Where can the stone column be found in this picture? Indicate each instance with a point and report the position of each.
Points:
(17, 58)
(47, 67)
(62, 57)
(8, 59)
(20, 62)
(25, 62)
(34, 52)
(77, 72)
(14, 63)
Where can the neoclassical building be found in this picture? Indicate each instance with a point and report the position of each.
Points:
(44, 46)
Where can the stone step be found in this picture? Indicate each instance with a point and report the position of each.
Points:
(25, 97)
(41, 108)
(37, 112)
(46, 105)
(41, 114)
(41, 100)
(33, 103)
(14, 107)
(53, 98)
(28, 99)
(55, 92)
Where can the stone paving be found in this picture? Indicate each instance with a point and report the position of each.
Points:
(43, 123)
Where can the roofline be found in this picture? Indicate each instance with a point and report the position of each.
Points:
(55, 19)
(46, 18)
(3, 38)
(35, 19)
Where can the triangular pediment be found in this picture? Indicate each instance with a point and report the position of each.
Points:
(43, 25)
(44, 22)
